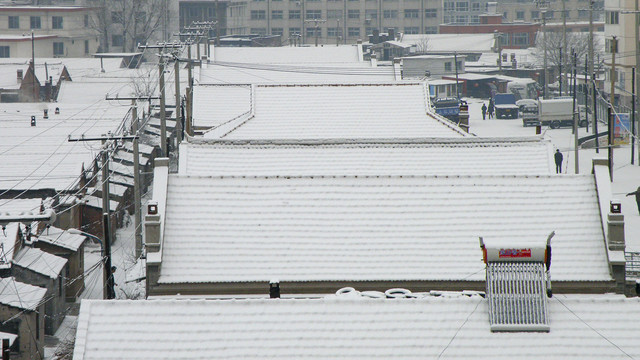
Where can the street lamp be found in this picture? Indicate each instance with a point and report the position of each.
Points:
(108, 270)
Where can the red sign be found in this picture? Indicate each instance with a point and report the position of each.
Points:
(515, 253)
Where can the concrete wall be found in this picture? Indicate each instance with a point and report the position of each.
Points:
(74, 271)
(30, 329)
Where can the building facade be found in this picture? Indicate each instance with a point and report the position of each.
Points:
(61, 31)
(619, 33)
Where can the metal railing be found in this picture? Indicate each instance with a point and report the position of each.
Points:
(633, 265)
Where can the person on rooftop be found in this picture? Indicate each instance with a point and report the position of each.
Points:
(637, 194)
(558, 158)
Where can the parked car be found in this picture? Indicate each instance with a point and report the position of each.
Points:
(448, 107)
(505, 106)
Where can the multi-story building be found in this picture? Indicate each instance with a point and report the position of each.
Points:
(204, 10)
(332, 21)
(620, 34)
(60, 31)
(527, 10)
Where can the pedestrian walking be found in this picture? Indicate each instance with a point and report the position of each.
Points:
(484, 111)
(637, 194)
(491, 108)
(558, 157)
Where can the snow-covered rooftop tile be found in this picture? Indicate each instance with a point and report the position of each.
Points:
(461, 156)
(381, 110)
(62, 238)
(373, 228)
(19, 295)
(452, 42)
(39, 261)
(287, 55)
(582, 328)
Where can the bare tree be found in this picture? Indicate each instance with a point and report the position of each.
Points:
(143, 83)
(136, 21)
(422, 45)
(552, 42)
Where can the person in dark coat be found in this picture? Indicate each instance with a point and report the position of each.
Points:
(484, 111)
(558, 157)
(637, 194)
(491, 108)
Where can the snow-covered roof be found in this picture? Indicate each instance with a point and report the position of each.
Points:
(381, 110)
(19, 206)
(351, 327)
(41, 157)
(207, 104)
(234, 73)
(8, 241)
(235, 229)
(62, 238)
(9, 336)
(40, 262)
(452, 42)
(19, 295)
(287, 54)
(461, 156)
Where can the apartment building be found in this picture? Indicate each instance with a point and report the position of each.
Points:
(342, 21)
(59, 31)
(530, 11)
(620, 33)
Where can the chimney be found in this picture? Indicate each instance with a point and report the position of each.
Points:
(374, 60)
(57, 112)
(20, 75)
(391, 33)
(463, 117)
(274, 289)
(46, 114)
(152, 227)
(375, 36)
(33, 120)
(615, 226)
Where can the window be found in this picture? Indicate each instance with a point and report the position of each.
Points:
(535, 14)
(411, 13)
(431, 13)
(116, 17)
(504, 39)
(56, 22)
(86, 21)
(354, 14)
(462, 6)
(58, 49)
(354, 31)
(334, 14)
(311, 32)
(609, 45)
(390, 14)
(519, 15)
(277, 14)
(258, 31)
(294, 14)
(294, 31)
(548, 14)
(141, 17)
(448, 6)
(4, 52)
(14, 22)
(116, 40)
(612, 17)
(475, 6)
(521, 39)
(86, 46)
(412, 30)
(474, 19)
(446, 19)
(258, 14)
(314, 14)
(333, 32)
(369, 30)
(371, 14)
(277, 31)
(431, 30)
(461, 19)
(447, 66)
(35, 22)
(583, 14)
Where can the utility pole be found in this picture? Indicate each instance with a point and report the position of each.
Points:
(586, 93)
(136, 179)
(560, 71)
(637, 79)
(33, 68)
(564, 33)
(610, 140)
(189, 95)
(590, 70)
(633, 114)
(575, 114)
(544, 41)
(317, 27)
(106, 210)
(614, 49)
(163, 116)
(455, 59)
(595, 114)
(178, 102)
(338, 33)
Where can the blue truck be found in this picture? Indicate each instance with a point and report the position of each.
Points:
(505, 106)
(448, 107)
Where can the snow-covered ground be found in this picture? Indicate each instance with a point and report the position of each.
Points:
(626, 177)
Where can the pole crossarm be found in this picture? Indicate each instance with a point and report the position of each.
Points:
(100, 138)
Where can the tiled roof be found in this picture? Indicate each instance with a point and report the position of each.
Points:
(462, 156)
(434, 327)
(373, 228)
(207, 113)
(20, 295)
(238, 73)
(39, 261)
(382, 110)
(453, 42)
(287, 55)
(62, 238)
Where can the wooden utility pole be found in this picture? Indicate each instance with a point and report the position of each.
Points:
(610, 140)
(189, 94)
(586, 93)
(544, 41)
(633, 114)
(612, 77)
(575, 114)
(178, 102)
(564, 35)
(163, 115)
(136, 180)
(595, 114)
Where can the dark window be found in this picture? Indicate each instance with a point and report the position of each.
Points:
(58, 49)
(86, 21)
(277, 14)
(277, 31)
(447, 66)
(258, 14)
(56, 22)
(430, 13)
(354, 31)
(116, 40)
(314, 14)
(86, 46)
(4, 52)
(354, 14)
(14, 22)
(141, 17)
(35, 22)
(116, 17)
(294, 14)
(411, 13)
